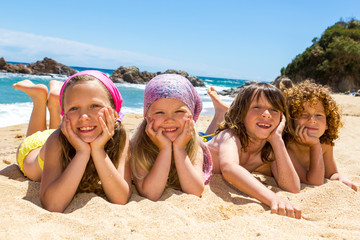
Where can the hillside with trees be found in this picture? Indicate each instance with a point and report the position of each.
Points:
(332, 60)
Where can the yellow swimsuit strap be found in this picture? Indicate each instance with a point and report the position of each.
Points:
(207, 137)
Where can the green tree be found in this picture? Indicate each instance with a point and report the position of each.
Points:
(334, 59)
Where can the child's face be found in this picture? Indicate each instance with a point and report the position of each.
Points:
(168, 115)
(261, 119)
(82, 103)
(314, 119)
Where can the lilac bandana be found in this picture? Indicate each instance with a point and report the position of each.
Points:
(108, 84)
(173, 86)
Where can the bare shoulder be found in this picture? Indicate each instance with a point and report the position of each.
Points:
(225, 136)
(326, 148)
(53, 141)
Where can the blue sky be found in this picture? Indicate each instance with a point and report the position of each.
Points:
(249, 40)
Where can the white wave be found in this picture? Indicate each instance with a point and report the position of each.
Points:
(131, 85)
(13, 114)
(33, 77)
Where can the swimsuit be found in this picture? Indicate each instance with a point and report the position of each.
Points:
(30, 143)
(206, 137)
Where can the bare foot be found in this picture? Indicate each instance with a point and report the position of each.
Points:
(220, 106)
(53, 103)
(37, 92)
(54, 93)
(220, 110)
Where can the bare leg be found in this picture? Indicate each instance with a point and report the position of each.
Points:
(31, 165)
(220, 110)
(53, 103)
(38, 94)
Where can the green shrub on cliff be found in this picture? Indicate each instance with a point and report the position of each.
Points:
(334, 59)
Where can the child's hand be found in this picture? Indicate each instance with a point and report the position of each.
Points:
(344, 180)
(276, 134)
(285, 208)
(107, 122)
(304, 138)
(158, 138)
(187, 133)
(73, 139)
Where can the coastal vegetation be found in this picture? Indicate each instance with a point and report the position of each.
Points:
(332, 60)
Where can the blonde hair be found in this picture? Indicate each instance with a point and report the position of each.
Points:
(312, 93)
(235, 116)
(90, 181)
(144, 153)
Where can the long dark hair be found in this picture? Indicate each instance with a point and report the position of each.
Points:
(235, 116)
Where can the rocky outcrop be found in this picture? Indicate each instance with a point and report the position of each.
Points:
(122, 74)
(13, 68)
(133, 75)
(46, 66)
(232, 92)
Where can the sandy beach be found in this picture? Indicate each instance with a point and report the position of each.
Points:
(332, 210)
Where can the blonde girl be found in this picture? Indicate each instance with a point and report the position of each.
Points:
(88, 153)
(166, 150)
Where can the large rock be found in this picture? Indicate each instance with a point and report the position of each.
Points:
(46, 66)
(133, 75)
(13, 68)
(232, 92)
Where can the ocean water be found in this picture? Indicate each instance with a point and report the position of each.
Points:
(16, 106)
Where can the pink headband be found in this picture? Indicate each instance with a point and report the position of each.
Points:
(173, 86)
(108, 84)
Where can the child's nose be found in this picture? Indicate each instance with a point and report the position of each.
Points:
(266, 113)
(169, 117)
(84, 116)
(312, 118)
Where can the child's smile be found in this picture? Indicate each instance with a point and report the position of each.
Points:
(82, 103)
(169, 116)
(314, 119)
(261, 118)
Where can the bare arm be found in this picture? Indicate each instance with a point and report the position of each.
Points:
(246, 182)
(115, 182)
(154, 182)
(190, 176)
(314, 175)
(282, 168)
(331, 170)
(58, 188)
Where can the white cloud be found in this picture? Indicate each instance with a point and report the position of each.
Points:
(20, 46)
(28, 47)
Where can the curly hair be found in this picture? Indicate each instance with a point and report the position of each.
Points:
(312, 93)
(235, 116)
(144, 153)
(90, 181)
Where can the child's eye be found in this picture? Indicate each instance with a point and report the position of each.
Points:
(274, 110)
(305, 115)
(179, 111)
(73, 109)
(159, 112)
(95, 105)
